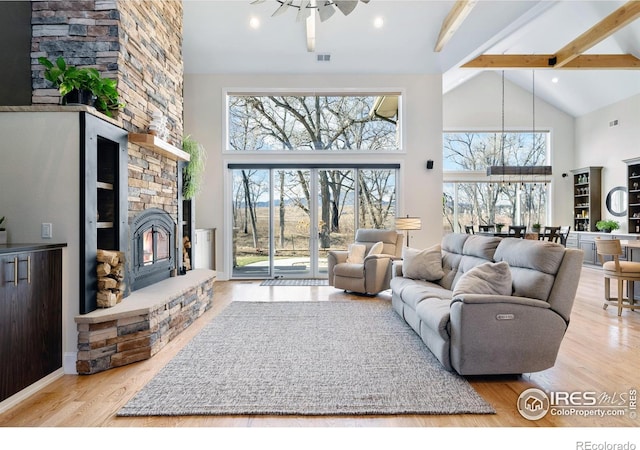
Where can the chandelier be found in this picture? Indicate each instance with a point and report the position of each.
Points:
(324, 8)
(506, 170)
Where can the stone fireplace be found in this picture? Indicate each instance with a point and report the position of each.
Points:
(139, 44)
(152, 248)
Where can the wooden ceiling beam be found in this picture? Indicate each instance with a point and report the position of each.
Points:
(572, 56)
(602, 62)
(452, 22)
(618, 19)
(508, 62)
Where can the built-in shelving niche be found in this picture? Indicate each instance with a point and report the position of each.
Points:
(103, 191)
(633, 189)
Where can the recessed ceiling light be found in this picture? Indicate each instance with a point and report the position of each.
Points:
(378, 22)
(554, 80)
(254, 23)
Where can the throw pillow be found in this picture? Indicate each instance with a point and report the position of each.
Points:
(422, 264)
(376, 249)
(487, 278)
(356, 253)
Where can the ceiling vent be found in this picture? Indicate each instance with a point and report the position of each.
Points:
(323, 57)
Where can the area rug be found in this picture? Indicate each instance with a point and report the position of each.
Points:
(295, 282)
(305, 358)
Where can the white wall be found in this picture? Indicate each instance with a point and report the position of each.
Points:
(422, 95)
(477, 105)
(39, 177)
(598, 144)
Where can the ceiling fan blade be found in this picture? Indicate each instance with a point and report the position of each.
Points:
(282, 8)
(346, 6)
(303, 11)
(325, 11)
(255, 2)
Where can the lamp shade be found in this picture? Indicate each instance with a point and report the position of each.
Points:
(408, 223)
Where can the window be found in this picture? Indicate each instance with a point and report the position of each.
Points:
(287, 218)
(471, 197)
(332, 122)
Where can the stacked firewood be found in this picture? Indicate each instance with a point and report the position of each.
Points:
(111, 286)
(186, 245)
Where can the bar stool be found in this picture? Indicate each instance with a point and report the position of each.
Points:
(621, 271)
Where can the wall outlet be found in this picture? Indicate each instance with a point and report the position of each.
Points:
(46, 231)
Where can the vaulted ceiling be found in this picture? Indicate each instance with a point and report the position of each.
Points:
(218, 38)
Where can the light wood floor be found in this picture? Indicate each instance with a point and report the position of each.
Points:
(600, 353)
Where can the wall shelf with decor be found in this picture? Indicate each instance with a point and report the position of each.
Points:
(587, 198)
(633, 189)
(156, 144)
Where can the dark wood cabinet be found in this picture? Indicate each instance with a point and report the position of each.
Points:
(587, 198)
(30, 317)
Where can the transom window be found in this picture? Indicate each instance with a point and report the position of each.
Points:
(313, 123)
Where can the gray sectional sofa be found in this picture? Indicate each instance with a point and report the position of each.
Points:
(513, 332)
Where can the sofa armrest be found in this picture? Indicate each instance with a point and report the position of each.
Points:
(335, 257)
(495, 334)
(478, 299)
(379, 256)
(377, 272)
(396, 268)
(339, 256)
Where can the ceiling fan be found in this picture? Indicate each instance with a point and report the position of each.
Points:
(325, 8)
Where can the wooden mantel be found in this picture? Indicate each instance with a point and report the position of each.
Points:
(156, 144)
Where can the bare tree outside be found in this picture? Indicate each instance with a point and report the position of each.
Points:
(477, 199)
(311, 124)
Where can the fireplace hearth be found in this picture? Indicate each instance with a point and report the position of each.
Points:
(153, 248)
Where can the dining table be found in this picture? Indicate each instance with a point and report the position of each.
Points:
(528, 235)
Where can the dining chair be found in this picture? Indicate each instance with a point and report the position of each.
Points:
(550, 234)
(621, 271)
(487, 228)
(564, 234)
(469, 229)
(518, 231)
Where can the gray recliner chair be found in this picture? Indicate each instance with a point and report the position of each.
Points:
(374, 274)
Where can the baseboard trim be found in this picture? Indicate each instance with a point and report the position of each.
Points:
(69, 363)
(30, 390)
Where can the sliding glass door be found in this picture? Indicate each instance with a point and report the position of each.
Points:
(287, 219)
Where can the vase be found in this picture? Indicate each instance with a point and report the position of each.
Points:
(79, 97)
(3, 237)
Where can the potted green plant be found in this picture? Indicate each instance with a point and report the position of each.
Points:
(536, 227)
(82, 85)
(193, 171)
(106, 95)
(607, 226)
(74, 84)
(3, 232)
(499, 227)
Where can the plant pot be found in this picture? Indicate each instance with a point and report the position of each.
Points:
(3, 237)
(606, 231)
(79, 97)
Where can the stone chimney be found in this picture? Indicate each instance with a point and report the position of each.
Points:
(139, 43)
